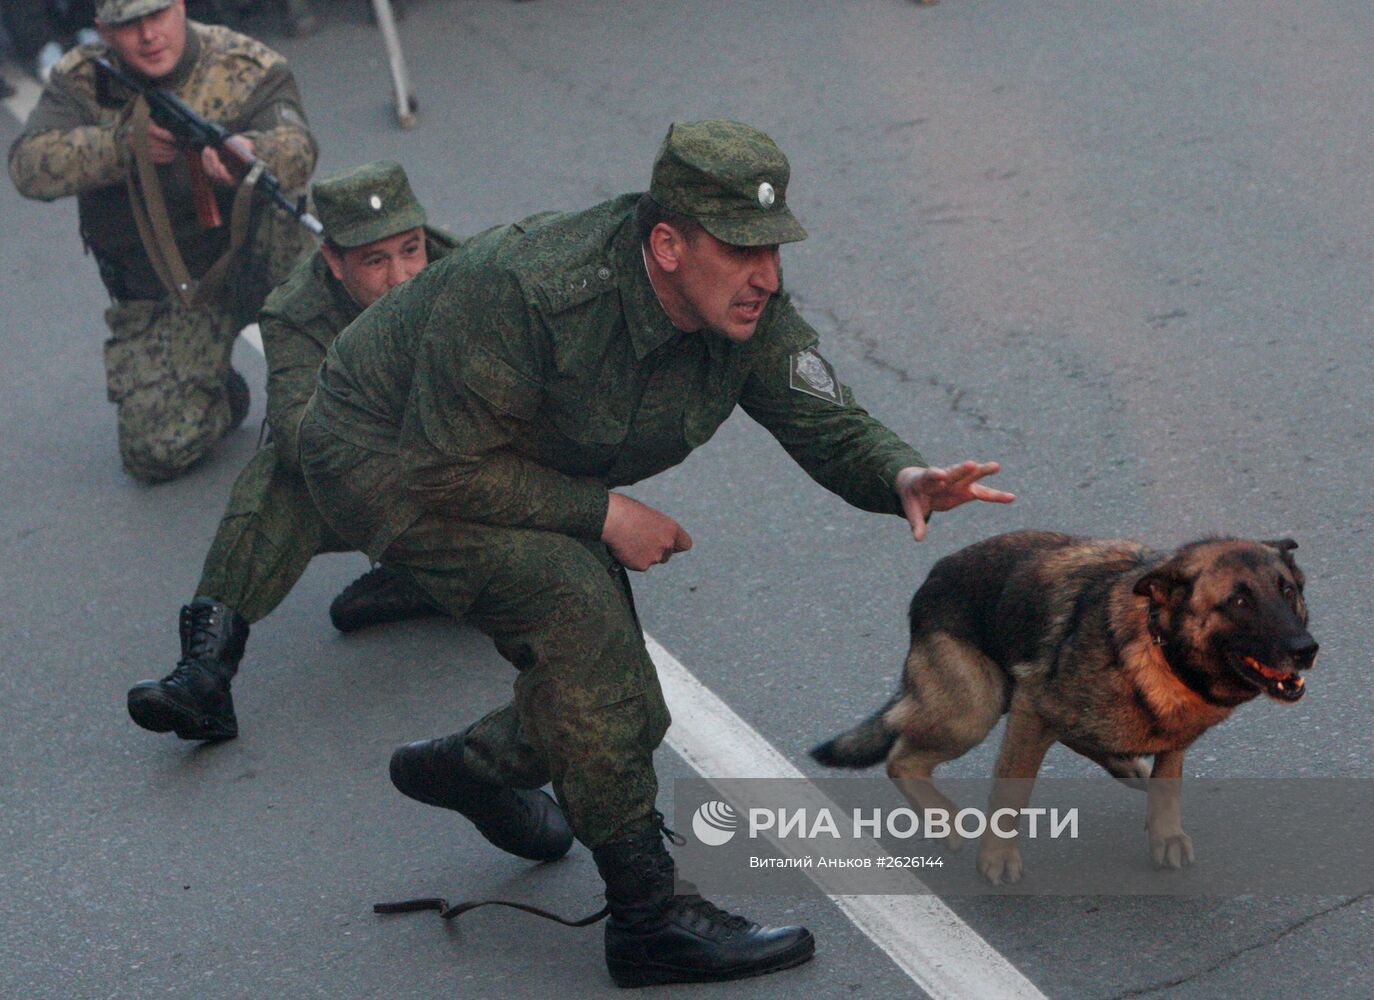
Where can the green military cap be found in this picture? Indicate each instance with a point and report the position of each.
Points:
(731, 178)
(119, 11)
(366, 204)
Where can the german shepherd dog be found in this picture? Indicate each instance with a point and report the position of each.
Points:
(1099, 644)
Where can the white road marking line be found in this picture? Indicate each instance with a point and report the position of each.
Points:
(927, 940)
(254, 336)
(26, 90)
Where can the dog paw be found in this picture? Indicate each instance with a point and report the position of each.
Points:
(954, 842)
(1000, 866)
(1174, 850)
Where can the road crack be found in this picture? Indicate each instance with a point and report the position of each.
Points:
(1231, 957)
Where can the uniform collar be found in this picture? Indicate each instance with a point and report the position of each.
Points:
(650, 327)
(341, 303)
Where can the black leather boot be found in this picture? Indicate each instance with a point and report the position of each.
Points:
(194, 700)
(377, 597)
(526, 823)
(655, 937)
(240, 399)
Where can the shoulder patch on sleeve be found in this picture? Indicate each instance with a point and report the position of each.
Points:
(810, 373)
(573, 288)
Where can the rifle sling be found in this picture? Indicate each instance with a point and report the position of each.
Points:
(149, 209)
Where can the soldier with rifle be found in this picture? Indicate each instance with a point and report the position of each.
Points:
(185, 249)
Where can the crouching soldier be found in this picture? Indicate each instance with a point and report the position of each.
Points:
(375, 239)
(474, 432)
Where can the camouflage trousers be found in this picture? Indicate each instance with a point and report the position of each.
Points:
(165, 370)
(269, 533)
(587, 711)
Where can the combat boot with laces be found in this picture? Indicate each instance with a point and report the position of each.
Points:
(657, 936)
(194, 700)
(525, 822)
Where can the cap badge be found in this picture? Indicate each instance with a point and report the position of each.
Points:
(376, 202)
(766, 195)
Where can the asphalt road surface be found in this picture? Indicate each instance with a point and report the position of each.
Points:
(1123, 248)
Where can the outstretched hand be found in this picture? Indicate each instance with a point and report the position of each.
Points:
(925, 490)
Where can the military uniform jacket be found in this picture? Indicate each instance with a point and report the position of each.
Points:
(524, 375)
(74, 144)
(299, 320)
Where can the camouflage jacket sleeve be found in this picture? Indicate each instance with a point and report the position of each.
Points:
(820, 425)
(475, 397)
(276, 124)
(69, 145)
(293, 360)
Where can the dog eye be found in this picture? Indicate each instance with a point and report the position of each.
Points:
(1240, 601)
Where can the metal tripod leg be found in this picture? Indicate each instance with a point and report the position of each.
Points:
(406, 105)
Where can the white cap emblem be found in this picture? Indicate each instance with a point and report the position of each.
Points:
(376, 202)
(766, 195)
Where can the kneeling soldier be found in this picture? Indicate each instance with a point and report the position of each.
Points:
(180, 286)
(375, 239)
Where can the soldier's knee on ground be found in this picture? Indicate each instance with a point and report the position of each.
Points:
(164, 430)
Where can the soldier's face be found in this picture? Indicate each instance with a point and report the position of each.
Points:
(370, 271)
(151, 45)
(724, 288)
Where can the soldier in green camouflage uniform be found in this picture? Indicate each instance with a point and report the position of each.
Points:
(167, 359)
(376, 238)
(470, 432)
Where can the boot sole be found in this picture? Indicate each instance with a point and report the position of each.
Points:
(628, 975)
(155, 712)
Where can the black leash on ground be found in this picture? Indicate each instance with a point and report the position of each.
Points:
(447, 912)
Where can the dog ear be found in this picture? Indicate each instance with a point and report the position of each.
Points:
(1286, 546)
(1164, 584)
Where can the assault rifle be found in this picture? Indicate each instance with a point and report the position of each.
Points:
(194, 133)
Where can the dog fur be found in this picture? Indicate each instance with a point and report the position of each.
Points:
(1117, 652)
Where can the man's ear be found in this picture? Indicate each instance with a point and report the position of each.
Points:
(665, 247)
(334, 259)
(1165, 585)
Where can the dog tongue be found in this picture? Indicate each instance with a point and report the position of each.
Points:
(1269, 672)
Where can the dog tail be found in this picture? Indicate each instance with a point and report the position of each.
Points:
(863, 746)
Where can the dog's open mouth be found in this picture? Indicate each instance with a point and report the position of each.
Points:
(1278, 684)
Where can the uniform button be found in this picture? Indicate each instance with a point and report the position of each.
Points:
(604, 273)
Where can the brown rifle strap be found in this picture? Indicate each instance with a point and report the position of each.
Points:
(149, 210)
(239, 218)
